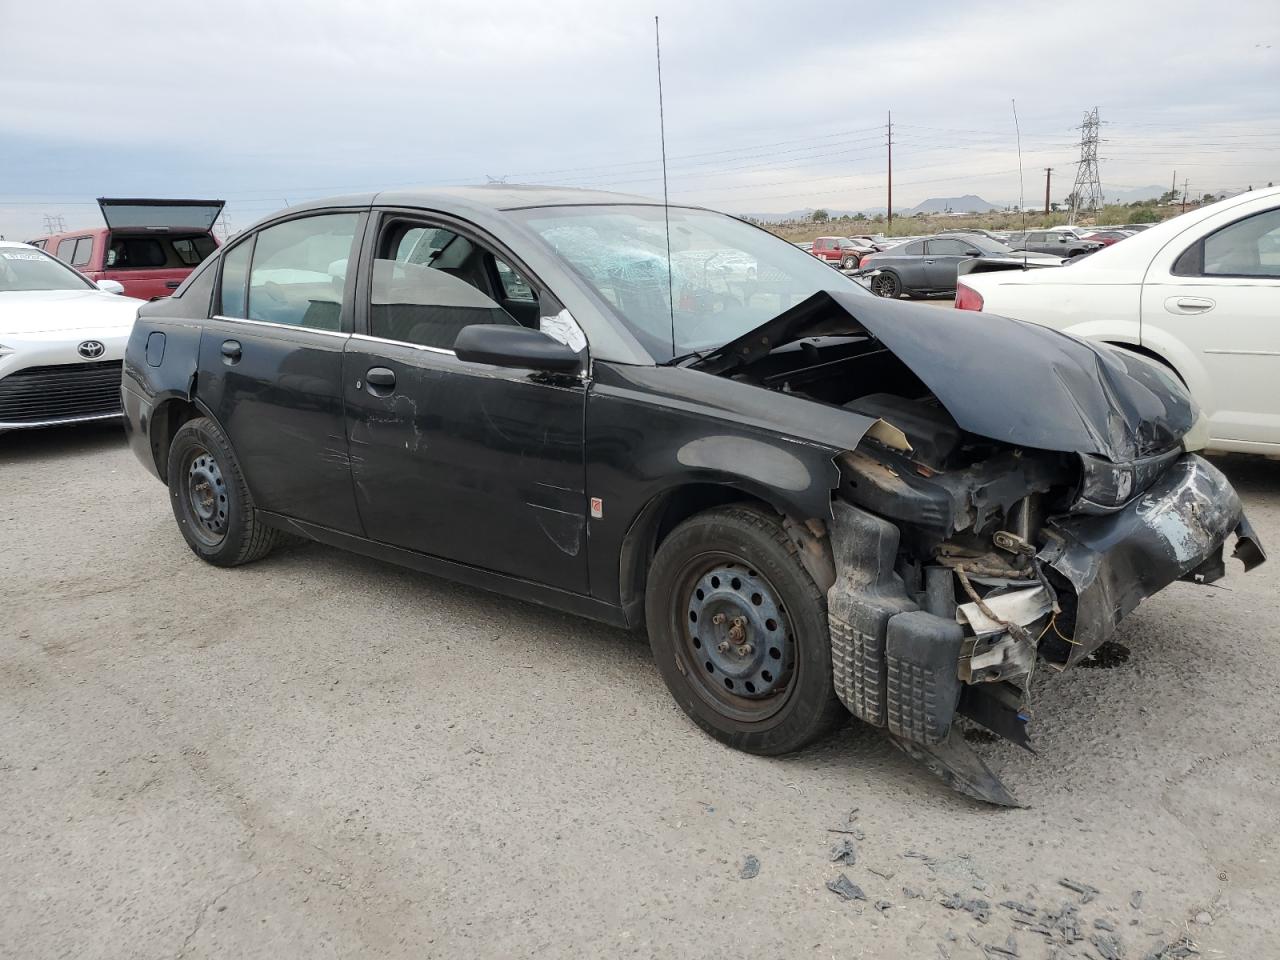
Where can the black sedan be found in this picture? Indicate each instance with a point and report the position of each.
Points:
(929, 266)
(816, 502)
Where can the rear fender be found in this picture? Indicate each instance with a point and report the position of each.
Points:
(160, 367)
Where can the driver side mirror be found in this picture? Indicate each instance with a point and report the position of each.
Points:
(509, 346)
(110, 286)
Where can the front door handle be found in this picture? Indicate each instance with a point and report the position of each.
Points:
(231, 351)
(929, 261)
(380, 381)
(1189, 304)
(173, 284)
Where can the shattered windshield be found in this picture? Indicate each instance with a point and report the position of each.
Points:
(726, 277)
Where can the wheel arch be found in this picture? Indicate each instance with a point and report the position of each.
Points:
(167, 418)
(670, 507)
(1150, 354)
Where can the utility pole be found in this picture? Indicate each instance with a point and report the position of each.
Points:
(889, 222)
(1173, 187)
(1048, 172)
(1184, 195)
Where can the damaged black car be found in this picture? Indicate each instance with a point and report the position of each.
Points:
(816, 501)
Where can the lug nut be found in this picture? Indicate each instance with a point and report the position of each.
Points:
(723, 646)
(718, 618)
(745, 650)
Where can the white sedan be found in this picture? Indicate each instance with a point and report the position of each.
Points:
(1199, 293)
(62, 340)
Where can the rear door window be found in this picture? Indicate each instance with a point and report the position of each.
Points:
(299, 271)
(83, 252)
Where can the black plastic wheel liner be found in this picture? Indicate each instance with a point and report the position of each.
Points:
(1003, 379)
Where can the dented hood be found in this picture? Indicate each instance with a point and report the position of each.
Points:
(1003, 379)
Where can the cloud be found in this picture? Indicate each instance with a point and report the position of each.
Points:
(769, 105)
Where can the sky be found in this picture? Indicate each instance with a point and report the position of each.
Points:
(769, 106)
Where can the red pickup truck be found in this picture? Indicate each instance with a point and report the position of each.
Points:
(149, 246)
(839, 250)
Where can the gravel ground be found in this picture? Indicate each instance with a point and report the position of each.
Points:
(322, 755)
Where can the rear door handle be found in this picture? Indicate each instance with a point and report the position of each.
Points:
(380, 381)
(231, 351)
(928, 261)
(173, 284)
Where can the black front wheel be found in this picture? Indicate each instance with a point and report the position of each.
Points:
(739, 632)
(210, 499)
(886, 285)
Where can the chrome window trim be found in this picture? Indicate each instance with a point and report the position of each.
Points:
(402, 343)
(282, 326)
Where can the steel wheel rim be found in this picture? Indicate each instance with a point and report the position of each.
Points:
(205, 497)
(746, 676)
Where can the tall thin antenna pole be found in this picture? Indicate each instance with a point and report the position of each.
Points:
(1022, 197)
(666, 208)
(1022, 194)
(890, 213)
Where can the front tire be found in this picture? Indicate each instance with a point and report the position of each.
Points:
(739, 632)
(848, 263)
(210, 499)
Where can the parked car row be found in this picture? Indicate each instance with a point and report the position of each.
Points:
(929, 266)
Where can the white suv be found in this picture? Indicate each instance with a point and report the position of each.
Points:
(1199, 293)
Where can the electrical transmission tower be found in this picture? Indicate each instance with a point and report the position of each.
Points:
(1087, 192)
(54, 223)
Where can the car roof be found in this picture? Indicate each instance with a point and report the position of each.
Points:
(493, 197)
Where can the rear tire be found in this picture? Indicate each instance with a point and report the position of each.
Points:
(737, 564)
(887, 285)
(848, 263)
(210, 499)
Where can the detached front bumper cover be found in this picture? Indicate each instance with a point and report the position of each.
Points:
(1175, 530)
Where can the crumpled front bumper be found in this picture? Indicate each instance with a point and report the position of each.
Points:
(910, 670)
(1174, 530)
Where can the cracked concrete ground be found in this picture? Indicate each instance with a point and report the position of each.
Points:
(322, 755)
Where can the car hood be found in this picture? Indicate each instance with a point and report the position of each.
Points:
(50, 311)
(1010, 381)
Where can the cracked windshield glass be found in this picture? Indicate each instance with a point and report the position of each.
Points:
(727, 277)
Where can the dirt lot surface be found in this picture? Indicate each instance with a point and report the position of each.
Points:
(323, 756)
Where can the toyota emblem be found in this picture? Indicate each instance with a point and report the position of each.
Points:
(91, 349)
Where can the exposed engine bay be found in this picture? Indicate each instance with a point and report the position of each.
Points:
(964, 558)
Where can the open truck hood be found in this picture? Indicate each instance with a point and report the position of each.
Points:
(1002, 379)
(143, 214)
